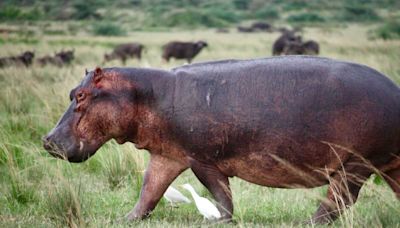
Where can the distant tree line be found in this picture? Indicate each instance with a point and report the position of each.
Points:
(200, 13)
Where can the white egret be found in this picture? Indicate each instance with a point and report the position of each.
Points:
(174, 196)
(205, 207)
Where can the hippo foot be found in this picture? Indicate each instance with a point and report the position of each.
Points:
(321, 220)
(324, 219)
(135, 216)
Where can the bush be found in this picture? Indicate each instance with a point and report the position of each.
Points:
(267, 13)
(241, 4)
(305, 18)
(358, 13)
(107, 29)
(32, 15)
(295, 5)
(12, 13)
(87, 9)
(388, 31)
(194, 18)
(226, 15)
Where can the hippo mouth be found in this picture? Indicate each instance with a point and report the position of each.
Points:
(71, 153)
(55, 150)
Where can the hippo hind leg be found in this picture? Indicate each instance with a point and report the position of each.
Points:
(343, 190)
(218, 184)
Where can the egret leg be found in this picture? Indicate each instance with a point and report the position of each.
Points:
(218, 184)
(160, 173)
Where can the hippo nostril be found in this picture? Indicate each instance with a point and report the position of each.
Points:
(46, 138)
(47, 143)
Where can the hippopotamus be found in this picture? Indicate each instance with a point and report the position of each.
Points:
(283, 122)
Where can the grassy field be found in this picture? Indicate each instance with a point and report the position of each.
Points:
(37, 190)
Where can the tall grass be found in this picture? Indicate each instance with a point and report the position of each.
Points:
(65, 203)
(41, 191)
(120, 165)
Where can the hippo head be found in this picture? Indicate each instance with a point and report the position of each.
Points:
(98, 112)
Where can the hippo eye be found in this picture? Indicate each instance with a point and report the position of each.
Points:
(80, 96)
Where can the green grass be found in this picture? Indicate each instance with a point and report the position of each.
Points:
(37, 190)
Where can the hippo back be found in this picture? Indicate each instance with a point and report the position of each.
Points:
(218, 106)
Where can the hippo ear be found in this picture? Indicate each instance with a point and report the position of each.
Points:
(98, 75)
(86, 71)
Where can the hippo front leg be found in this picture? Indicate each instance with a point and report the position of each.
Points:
(160, 173)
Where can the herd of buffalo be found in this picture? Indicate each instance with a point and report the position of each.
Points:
(289, 43)
(26, 59)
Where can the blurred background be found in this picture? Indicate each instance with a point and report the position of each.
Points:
(123, 16)
(45, 47)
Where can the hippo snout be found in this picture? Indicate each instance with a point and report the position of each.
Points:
(66, 148)
(51, 146)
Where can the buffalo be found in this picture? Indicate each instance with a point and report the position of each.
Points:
(125, 51)
(66, 56)
(50, 60)
(261, 26)
(245, 29)
(182, 50)
(24, 59)
(286, 37)
(301, 48)
(293, 48)
(311, 47)
(59, 59)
